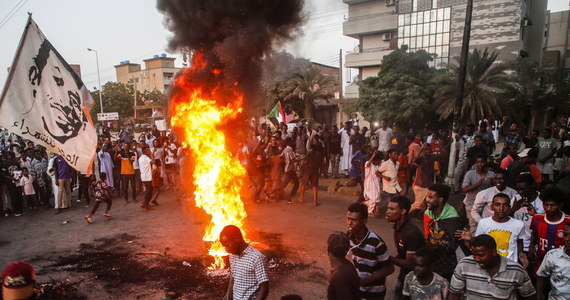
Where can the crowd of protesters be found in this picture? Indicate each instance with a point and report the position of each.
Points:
(124, 167)
(500, 243)
(509, 238)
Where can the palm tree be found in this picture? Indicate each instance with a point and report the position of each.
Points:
(311, 85)
(483, 82)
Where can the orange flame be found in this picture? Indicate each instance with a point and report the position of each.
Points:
(218, 176)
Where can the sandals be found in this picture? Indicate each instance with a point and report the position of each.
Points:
(89, 219)
(108, 215)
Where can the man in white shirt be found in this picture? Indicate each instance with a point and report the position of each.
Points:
(482, 205)
(145, 165)
(384, 133)
(526, 204)
(507, 232)
(389, 172)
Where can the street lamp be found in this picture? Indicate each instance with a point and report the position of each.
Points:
(98, 78)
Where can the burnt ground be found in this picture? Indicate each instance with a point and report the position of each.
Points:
(105, 260)
(115, 264)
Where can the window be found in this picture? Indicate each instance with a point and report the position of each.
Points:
(428, 30)
(414, 5)
(433, 3)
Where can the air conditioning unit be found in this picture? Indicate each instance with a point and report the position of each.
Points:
(387, 37)
(526, 22)
(390, 2)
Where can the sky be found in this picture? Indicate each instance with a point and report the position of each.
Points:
(133, 30)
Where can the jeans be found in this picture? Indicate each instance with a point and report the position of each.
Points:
(335, 161)
(129, 179)
(84, 188)
(148, 192)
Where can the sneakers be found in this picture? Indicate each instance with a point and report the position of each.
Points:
(89, 219)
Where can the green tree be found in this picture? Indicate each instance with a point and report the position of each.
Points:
(310, 86)
(402, 90)
(117, 97)
(483, 82)
(535, 90)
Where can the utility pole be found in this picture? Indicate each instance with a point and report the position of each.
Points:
(340, 96)
(462, 66)
(460, 91)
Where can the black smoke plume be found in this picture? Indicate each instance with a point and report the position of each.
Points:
(233, 35)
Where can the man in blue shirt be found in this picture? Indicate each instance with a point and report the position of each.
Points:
(356, 172)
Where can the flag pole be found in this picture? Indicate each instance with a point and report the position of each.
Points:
(16, 57)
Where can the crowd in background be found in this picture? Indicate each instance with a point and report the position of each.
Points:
(32, 178)
(509, 238)
(500, 243)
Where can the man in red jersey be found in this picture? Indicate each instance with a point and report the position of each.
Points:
(548, 228)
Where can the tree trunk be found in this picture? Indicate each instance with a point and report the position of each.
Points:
(533, 113)
(308, 109)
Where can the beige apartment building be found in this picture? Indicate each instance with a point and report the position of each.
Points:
(157, 75)
(374, 23)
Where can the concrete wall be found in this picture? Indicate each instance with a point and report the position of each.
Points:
(557, 39)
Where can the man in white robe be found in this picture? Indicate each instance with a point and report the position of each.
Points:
(345, 134)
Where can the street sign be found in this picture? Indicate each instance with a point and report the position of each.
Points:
(111, 116)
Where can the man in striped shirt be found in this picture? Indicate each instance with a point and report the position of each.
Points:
(488, 275)
(368, 252)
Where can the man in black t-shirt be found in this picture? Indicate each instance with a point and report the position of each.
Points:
(357, 140)
(475, 151)
(407, 238)
(335, 151)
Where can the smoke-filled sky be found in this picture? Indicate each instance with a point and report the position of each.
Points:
(134, 30)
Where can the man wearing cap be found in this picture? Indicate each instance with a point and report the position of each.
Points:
(18, 279)
(343, 279)
(249, 275)
(524, 165)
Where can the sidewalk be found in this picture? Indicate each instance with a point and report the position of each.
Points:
(328, 185)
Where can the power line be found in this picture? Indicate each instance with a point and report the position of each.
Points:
(6, 16)
(9, 16)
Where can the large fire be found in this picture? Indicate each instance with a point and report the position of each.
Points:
(218, 176)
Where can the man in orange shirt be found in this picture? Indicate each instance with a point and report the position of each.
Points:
(127, 158)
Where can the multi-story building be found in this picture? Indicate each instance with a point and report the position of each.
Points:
(375, 24)
(158, 73)
(557, 42)
(512, 27)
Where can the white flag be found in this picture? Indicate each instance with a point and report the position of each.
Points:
(45, 101)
